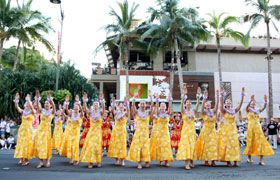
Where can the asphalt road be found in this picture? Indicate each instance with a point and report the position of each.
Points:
(60, 169)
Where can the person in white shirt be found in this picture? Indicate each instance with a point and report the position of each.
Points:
(3, 142)
(198, 126)
(11, 142)
(2, 127)
(8, 130)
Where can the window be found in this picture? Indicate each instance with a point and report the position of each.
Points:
(167, 60)
(139, 61)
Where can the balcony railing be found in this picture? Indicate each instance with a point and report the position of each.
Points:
(140, 65)
(107, 70)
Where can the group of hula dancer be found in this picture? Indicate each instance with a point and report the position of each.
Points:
(209, 146)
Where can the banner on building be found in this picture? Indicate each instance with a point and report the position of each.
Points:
(142, 89)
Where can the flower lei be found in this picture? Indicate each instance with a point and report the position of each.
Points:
(26, 113)
(231, 113)
(255, 112)
(47, 115)
(209, 114)
(142, 115)
(119, 115)
(74, 118)
(189, 115)
(163, 115)
(57, 119)
(155, 116)
(95, 116)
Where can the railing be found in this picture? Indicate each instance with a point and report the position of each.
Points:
(107, 70)
(140, 65)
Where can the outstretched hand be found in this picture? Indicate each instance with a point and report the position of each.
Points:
(185, 90)
(17, 96)
(265, 98)
(198, 90)
(67, 98)
(101, 96)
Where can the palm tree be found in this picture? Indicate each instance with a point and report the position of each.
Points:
(29, 28)
(7, 20)
(122, 29)
(178, 29)
(268, 13)
(220, 27)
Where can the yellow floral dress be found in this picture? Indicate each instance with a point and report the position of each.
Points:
(63, 146)
(257, 144)
(92, 149)
(24, 148)
(43, 137)
(57, 134)
(140, 146)
(73, 140)
(188, 138)
(228, 143)
(153, 134)
(117, 145)
(207, 142)
(162, 150)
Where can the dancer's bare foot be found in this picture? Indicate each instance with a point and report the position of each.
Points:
(122, 162)
(139, 166)
(213, 164)
(20, 162)
(166, 164)
(48, 163)
(192, 165)
(117, 162)
(56, 152)
(25, 163)
(76, 163)
(187, 167)
(71, 162)
(229, 164)
(90, 166)
(206, 163)
(236, 164)
(261, 163)
(147, 165)
(40, 165)
(99, 165)
(159, 163)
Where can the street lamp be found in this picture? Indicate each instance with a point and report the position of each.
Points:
(59, 49)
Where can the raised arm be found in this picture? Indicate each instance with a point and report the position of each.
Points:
(16, 103)
(37, 101)
(248, 105)
(28, 100)
(133, 107)
(49, 98)
(265, 103)
(241, 101)
(205, 96)
(222, 110)
(183, 99)
(169, 103)
(157, 104)
(126, 103)
(198, 96)
(217, 101)
(66, 104)
(114, 106)
(101, 99)
(151, 105)
(85, 100)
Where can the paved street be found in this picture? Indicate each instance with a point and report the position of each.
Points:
(60, 169)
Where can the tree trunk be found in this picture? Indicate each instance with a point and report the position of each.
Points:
(1, 49)
(219, 61)
(126, 72)
(16, 58)
(178, 60)
(270, 96)
(171, 78)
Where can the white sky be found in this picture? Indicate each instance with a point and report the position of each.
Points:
(84, 19)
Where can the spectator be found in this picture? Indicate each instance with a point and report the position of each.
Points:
(11, 142)
(2, 127)
(197, 126)
(129, 138)
(241, 138)
(3, 142)
(272, 133)
(8, 129)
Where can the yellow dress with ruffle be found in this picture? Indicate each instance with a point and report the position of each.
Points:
(140, 146)
(257, 144)
(162, 150)
(73, 140)
(92, 149)
(207, 142)
(153, 135)
(57, 135)
(43, 138)
(63, 146)
(117, 145)
(188, 138)
(228, 143)
(24, 148)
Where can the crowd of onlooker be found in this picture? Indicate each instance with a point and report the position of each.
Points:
(7, 140)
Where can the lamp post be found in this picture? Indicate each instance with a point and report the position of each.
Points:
(60, 37)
